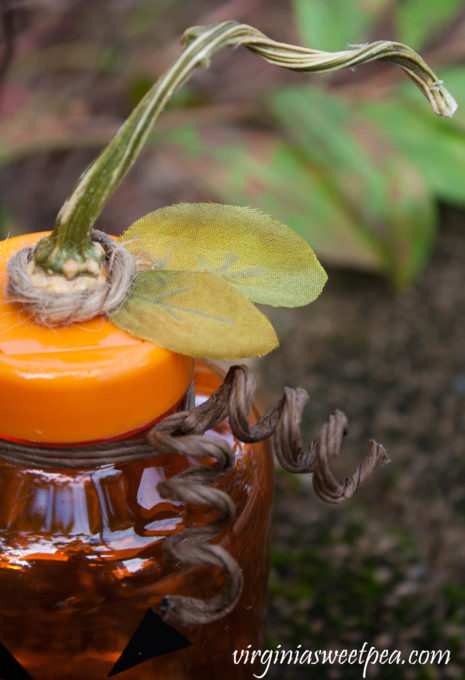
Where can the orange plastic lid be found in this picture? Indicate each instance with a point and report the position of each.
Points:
(80, 383)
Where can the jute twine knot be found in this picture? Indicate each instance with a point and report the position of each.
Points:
(49, 308)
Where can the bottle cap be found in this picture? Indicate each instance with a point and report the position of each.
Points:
(81, 383)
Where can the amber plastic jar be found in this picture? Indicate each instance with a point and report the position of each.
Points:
(81, 551)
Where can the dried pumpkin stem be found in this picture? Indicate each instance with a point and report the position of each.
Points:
(69, 250)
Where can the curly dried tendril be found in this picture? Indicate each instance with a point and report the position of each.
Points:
(183, 433)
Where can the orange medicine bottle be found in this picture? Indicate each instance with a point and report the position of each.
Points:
(81, 551)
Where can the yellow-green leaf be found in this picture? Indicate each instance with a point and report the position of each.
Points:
(262, 258)
(195, 313)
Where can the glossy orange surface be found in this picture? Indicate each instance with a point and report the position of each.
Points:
(79, 383)
(81, 561)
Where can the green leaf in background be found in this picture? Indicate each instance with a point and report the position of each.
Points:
(260, 170)
(333, 24)
(336, 180)
(361, 196)
(265, 260)
(195, 313)
(374, 180)
(437, 151)
(418, 20)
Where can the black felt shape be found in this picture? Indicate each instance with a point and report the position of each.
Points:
(153, 637)
(10, 669)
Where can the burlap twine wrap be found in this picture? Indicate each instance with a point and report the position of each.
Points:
(182, 433)
(51, 309)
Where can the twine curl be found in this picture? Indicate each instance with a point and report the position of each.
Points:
(182, 433)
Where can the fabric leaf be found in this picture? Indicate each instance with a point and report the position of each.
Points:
(243, 166)
(263, 259)
(195, 313)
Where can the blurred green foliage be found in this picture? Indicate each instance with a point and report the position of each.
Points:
(355, 165)
(355, 162)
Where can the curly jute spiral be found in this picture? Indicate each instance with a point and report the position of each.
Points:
(182, 433)
(56, 309)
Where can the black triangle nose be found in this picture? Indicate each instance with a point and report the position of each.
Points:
(152, 638)
(10, 669)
